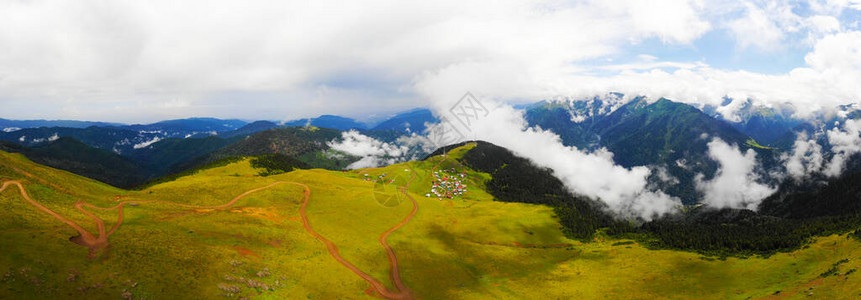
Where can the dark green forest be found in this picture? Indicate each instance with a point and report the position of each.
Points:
(277, 163)
(69, 154)
(515, 179)
(832, 208)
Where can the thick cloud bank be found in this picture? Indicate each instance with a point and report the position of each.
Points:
(595, 175)
(735, 182)
(135, 61)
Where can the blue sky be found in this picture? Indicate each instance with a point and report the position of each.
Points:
(720, 49)
(134, 61)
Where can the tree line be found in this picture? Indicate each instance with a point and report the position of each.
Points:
(783, 226)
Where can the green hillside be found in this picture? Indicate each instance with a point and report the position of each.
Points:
(71, 155)
(170, 155)
(189, 239)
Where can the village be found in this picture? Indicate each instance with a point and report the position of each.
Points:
(448, 185)
(445, 184)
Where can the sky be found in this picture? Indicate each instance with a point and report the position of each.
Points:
(144, 61)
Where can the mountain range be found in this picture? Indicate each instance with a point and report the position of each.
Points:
(517, 227)
(671, 138)
(144, 152)
(663, 134)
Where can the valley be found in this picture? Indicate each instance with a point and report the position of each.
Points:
(237, 150)
(283, 235)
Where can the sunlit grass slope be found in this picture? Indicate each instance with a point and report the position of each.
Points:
(469, 247)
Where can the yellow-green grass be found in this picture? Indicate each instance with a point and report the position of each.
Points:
(469, 247)
(170, 252)
(753, 143)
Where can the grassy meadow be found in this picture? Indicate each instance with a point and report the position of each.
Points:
(464, 248)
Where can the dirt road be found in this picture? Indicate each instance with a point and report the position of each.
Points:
(393, 259)
(84, 237)
(402, 292)
(97, 243)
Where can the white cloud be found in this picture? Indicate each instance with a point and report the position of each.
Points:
(819, 26)
(808, 157)
(845, 142)
(833, 7)
(756, 29)
(132, 60)
(128, 60)
(647, 58)
(805, 159)
(735, 182)
(375, 153)
(146, 143)
(679, 20)
(651, 65)
(824, 24)
(830, 79)
(595, 175)
(837, 53)
(665, 176)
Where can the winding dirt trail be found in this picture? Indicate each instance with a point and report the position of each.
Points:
(402, 291)
(393, 259)
(97, 243)
(84, 236)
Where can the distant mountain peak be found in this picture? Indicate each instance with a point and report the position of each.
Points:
(409, 121)
(328, 121)
(581, 109)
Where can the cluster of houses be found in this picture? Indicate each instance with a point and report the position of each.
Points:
(448, 184)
